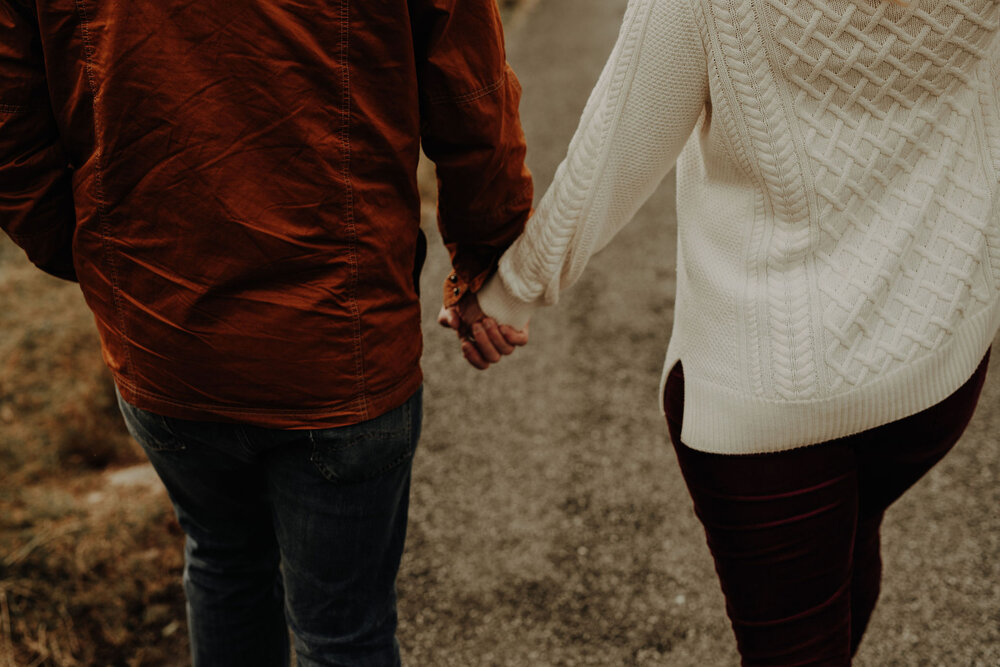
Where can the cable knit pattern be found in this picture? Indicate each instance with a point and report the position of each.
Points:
(903, 203)
(740, 38)
(838, 205)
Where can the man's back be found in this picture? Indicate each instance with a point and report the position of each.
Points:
(242, 193)
(234, 187)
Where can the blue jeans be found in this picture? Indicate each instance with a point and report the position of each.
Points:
(288, 529)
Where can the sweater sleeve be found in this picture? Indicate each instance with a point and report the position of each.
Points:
(638, 118)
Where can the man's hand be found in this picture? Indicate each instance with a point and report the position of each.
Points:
(484, 342)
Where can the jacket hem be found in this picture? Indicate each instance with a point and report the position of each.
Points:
(343, 413)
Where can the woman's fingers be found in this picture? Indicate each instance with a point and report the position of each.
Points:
(513, 336)
(490, 342)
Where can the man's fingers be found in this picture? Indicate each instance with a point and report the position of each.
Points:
(483, 343)
(513, 336)
(471, 354)
(497, 338)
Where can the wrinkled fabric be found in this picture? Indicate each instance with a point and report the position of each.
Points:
(234, 187)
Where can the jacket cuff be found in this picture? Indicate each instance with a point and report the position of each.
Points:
(454, 289)
(459, 282)
(497, 302)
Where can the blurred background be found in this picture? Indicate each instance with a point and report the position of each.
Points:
(549, 524)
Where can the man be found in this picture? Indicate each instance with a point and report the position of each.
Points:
(234, 187)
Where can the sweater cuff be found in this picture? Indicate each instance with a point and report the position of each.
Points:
(497, 302)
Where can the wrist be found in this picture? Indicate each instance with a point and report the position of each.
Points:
(496, 301)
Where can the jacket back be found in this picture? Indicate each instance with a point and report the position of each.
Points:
(234, 187)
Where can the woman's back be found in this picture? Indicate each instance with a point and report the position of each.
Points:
(838, 205)
(863, 234)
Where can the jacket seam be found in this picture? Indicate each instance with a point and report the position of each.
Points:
(100, 203)
(14, 108)
(473, 95)
(345, 137)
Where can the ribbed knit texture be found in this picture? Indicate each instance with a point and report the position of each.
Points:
(838, 203)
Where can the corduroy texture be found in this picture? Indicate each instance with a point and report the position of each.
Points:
(838, 204)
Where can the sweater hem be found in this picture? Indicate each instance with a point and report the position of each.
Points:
(720, 421)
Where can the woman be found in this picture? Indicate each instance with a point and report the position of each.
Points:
(838, 205)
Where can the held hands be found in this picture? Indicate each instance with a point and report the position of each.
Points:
(484, 342)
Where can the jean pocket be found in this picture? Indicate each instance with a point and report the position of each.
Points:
(364, 451)
(149, 429)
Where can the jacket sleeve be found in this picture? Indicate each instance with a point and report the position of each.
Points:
(471, 130)
(36, 198)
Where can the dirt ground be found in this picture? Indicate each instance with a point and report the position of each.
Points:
(549, 524)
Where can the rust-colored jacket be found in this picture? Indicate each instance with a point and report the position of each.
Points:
(234, 186)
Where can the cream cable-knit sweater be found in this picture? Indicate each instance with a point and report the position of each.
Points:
(838, 205)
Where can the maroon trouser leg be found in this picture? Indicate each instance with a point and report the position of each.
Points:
(795, 534)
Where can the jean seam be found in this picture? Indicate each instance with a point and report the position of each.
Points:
(173, 444)
(407, 433)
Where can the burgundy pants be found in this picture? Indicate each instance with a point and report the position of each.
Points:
(795, 534)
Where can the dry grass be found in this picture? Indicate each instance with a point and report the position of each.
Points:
(57, 403)
(92, 584)
(89, 570)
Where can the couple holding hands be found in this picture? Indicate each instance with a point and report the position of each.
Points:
(235, 191)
